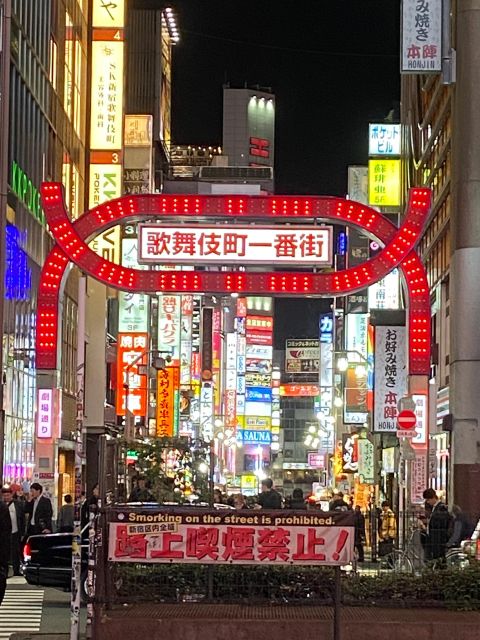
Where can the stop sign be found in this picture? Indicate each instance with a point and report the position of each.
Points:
(406, 420)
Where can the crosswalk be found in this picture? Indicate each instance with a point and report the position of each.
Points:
(21, 610)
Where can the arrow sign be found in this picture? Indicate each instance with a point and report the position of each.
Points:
(406, 421)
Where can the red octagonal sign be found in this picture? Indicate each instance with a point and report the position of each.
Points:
(406, 420)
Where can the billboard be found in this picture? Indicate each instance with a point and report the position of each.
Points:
(302, 356)
(251, 244)
(106, 115)
(385, 294)
(421, 36)
(132, 307)
(167, 397)
(390, 373)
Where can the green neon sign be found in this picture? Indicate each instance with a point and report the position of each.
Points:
(27, 193)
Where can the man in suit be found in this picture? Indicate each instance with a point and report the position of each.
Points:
(41, 511)
(17, 516)
(5, 533)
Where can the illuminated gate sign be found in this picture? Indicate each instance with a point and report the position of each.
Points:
(398, 251)
(251, 245)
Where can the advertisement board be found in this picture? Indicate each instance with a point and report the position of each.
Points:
(132, 307)
(302, 356)
(421, 36)
(167, 393)
(217, 537)
(384, 139)
(249, 244)
(106, 128)
(390, 373)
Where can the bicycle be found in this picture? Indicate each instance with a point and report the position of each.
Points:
(409, 559)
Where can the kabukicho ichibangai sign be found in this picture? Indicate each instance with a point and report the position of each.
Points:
(230, 537)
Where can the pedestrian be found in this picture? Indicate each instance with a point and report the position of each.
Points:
(297, 501)
(141, 493)
(338, 503)
(387, 530)
(239, 501)
(218, 497)
(359, 539)
(66, 515)
(437, 526)
(41, 511)
(268, 498)
(463, 527)
(17, 516)
(90, 504)
(5, 534)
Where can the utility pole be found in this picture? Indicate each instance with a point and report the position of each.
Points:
(465, 262)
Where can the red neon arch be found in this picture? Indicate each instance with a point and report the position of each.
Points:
(398, 251)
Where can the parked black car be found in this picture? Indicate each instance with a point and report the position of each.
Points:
(48, 560)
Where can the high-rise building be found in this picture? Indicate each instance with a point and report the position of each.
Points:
(43, 75)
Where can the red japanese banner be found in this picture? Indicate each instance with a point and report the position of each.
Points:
(232, 537)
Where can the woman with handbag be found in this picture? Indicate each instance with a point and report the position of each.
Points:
(387, 531)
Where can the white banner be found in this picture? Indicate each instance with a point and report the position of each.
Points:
(421, 36)
(232, 538)
(390, 376)
(419, 476)
(250, 244)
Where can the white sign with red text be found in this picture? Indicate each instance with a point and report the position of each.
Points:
(232, 538)
(221, 245)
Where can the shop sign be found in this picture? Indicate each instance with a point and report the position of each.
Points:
(419, 476)
(302, 356)
(349, 453)
(249, 436)
(299, 390)
(421, 36)
(130, 347)
(384, 139)
(390, 376)
(384, 182)
(216, 537)
(316, 460)
(366, 471)
(167, 391)
(132, 307)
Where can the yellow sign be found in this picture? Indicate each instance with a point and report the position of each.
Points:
(138, 130)
(248, 481)
(167, 384)
(108, 13)
(106, 131)
(384, 182)
(258, 423)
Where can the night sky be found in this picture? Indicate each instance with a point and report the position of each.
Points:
(333, 67)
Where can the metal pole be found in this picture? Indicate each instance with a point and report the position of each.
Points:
(75, 599)
(6, 15)
(337, 605)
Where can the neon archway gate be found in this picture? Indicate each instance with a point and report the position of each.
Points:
(71, 248)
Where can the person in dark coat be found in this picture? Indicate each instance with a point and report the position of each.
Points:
(463, 527)
(17, 516)
(437, 527)
(338, 503)
(90, 504)
(41, 511)
(66, 515)
(297, 501)
(268, 498)
(359, 522)
(5, 534)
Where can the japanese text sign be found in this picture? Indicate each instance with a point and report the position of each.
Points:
(108, 13)
(44, 413)
(384, 139)
(390, 376)
(419, 476)
(384, 182)
(130, 347)
(302, 356)
(106, 130)
(250, 244)
(167, 384)
(421, 36)
(213, 537)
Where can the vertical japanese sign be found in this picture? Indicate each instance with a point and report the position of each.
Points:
(44, 413)
(230, 393)
(167, 390)
(384, 182)
(138, 155)
(421, 36)
(186, 340)
(169, 317)
(365, 461)
(106, 115)
(130, 347)
(349, 453)
(421, 413)
(132, 307)
(419, 475)
(326, 331)
(390, 376)
(385, 294)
